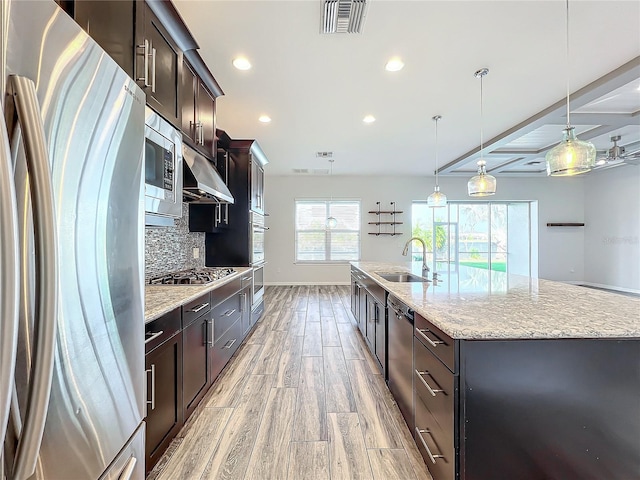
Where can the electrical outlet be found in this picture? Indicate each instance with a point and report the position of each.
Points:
(196, 253)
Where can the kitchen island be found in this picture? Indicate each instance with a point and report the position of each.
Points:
(515, 377)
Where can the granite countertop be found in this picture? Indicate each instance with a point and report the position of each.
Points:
(160, 299)
(473, 303)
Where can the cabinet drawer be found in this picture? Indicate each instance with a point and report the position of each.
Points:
(195, 309)
(225, 315)
(441, 344)
(434, 384)
(223, 292)
(225, 347)
(440, 456)
(158, 331)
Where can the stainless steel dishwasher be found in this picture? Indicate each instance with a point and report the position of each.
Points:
(400, 357)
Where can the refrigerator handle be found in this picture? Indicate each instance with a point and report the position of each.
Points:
(23, 92)
(9, 279)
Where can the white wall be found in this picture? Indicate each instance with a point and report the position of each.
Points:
(560, 200)
(612, 228)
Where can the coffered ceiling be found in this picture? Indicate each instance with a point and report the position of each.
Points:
(318, 87)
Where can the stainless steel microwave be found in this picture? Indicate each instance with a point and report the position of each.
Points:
(162, 170)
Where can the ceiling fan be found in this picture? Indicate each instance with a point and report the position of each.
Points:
(616, 156)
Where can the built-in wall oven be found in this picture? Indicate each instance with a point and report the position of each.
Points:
(257, 256)
(162, 169)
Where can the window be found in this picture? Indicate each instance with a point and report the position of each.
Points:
(495, 236)
(315, 243)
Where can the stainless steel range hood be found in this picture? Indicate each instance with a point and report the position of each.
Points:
(202, 182)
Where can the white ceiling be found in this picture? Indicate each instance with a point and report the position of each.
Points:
(317, 88)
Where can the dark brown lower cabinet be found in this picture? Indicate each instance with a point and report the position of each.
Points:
(164, 397)
(528, 409)
(196, 339)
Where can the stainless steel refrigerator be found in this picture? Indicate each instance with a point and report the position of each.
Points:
(71, 251)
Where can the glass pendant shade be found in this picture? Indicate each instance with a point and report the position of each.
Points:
(571, 156)
(482, 184)
(332, 222)
(437, 198)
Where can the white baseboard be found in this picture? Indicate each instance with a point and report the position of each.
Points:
(610, 287)
(282, 284)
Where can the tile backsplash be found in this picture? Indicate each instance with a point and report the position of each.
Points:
(170, 249)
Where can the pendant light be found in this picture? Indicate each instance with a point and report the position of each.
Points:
(332, 222)
(571, 156)
(437, 198)
(482, 184)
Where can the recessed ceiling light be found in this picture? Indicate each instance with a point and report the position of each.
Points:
(264, 119)
(394, 65)
(369, 119)
(241, 63)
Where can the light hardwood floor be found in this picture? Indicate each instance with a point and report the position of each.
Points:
(302, 399)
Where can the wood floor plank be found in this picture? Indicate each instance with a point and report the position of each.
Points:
(340, 314)
(313, 312)
(309, 461)
(298, 322)
(231, 457)
(270, 355)
(311, 412)
(390, 464)
(190, 459)
(350, 343)
(330, 337)
(288, 371)
(415, 458)
(376, 422)
(326, 309)
(260, 333)
(336, 381)
(270, 456)
(225, 392)
(312, 346)
(302, 299)
(348, 457)
(283, 321)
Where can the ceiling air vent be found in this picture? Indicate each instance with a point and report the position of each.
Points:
(343, 16)
(324, 154)
(301, 170)
(320, 171)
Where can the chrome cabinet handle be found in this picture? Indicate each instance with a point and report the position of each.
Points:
(152, 402)
(199, 308)
(432, 391)
(226, 214)
(230, 343)
(433, 343)
(426, 447)
(23, 92)
(242, 301)
(210, 324)
(218, 215)
(153, 336)
(145, 53)
(9, 278)
(228, 313)
(153, 69)
(200, 128)
(129, 468)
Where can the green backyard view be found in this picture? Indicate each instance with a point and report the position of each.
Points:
(495, 266)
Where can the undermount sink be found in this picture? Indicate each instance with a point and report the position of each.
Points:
(401, 277)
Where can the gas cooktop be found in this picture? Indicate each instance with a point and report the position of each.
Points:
(193, 276)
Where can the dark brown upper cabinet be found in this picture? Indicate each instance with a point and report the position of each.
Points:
(146, 38)
(198, 100)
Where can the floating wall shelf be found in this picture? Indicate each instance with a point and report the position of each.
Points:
(565, 224)
(392, 222)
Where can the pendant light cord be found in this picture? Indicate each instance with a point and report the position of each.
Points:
(481, 121)
(436, 119)
(567, 39)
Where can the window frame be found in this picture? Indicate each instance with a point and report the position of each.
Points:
(326, 231)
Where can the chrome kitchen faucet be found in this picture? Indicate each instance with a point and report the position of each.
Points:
(425, 267)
